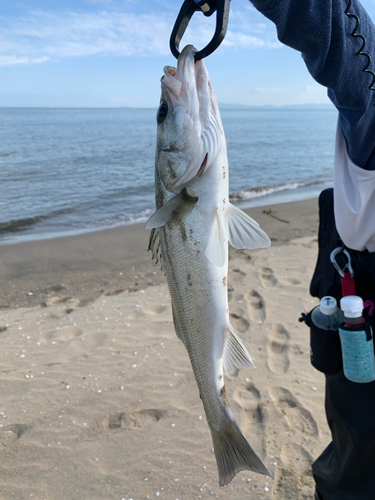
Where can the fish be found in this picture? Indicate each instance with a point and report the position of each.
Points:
(190, 231)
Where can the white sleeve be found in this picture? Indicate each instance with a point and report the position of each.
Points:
(354, 199)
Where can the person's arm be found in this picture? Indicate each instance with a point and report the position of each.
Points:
(322, 31)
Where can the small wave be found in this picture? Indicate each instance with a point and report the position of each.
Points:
(135, 218)
(17, 225)
(258, 192)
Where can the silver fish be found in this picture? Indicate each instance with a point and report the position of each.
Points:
(190, 232)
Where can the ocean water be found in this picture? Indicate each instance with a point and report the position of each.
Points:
(66, 171)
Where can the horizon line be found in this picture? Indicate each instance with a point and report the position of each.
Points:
(310, 104)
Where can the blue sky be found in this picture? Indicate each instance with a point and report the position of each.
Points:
(110, 53)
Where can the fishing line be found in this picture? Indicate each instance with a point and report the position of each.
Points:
(360, 52)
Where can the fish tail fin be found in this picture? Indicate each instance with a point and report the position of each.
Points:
(233, 454)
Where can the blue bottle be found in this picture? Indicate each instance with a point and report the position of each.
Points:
(357, 342)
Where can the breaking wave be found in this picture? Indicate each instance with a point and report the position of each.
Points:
(258, 192)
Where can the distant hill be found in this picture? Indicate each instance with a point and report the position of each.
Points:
(223, 105)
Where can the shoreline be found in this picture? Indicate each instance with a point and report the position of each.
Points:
(276, 196)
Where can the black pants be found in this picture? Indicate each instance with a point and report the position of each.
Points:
(346, 468)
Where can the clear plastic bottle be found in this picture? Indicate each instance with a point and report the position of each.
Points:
(325, 348)
(357, 342)
(326, 316)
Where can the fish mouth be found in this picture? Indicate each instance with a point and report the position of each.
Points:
(181, 82)
(189, 89)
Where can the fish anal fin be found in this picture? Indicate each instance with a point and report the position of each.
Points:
(181, 203)
(235, 353)
(243, 231)
(177, 327)
(233, 454)
(215, 251)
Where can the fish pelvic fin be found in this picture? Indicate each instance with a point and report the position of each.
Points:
(233, 453)
(180, 204)
(235, 353)
(243, 231)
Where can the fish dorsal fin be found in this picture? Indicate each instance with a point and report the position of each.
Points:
(243, 231)
(235, 353)
(181, 203)
(155, 247)
(215, 251)
(177, 326)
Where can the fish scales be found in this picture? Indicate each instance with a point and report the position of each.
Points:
(190, 232)
(191, 294)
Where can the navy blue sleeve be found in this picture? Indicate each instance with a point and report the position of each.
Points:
(322, 31)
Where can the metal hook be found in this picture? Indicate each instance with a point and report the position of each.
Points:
(208, 7)
(348, 265)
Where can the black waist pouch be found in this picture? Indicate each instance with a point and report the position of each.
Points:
(346, 468)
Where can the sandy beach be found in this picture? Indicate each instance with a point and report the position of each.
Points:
(97, 396)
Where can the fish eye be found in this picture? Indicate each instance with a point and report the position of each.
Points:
(162, 113)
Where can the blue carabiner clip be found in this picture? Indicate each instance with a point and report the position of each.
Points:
(208, 7)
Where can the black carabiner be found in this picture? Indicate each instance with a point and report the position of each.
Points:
(208, 7)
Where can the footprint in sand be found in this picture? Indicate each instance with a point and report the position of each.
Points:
(126, 420)
(248, 397)
(293, 477)
(239, 323)
(267, 277)
(237, 319)
(11, 433)
(257, 311)
(278, 349)
(74, 342)
(297, 417)
(59, 306)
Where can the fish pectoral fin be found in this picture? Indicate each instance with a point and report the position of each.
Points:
(215, 251)
(235, 353)
(177, 327)
(243, 231)
(155, 247)
(180, 203)
(233, 453)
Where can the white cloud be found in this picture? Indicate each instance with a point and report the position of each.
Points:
(241, 40)
(42, 35)
(12, 60)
